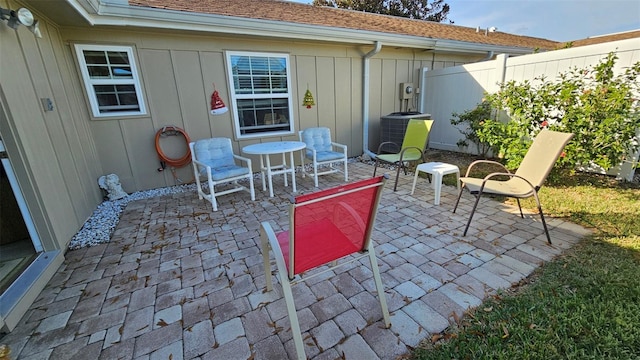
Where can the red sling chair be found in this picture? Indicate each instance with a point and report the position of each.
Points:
(324, 226)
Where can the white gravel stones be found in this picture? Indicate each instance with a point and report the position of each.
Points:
(99, 227)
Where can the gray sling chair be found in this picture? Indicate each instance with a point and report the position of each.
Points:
(527, 180)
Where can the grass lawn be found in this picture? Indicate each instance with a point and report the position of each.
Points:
(583, 305)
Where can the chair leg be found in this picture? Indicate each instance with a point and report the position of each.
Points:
(293, 319)
(395, 186)
(520, 207)
(212, 194)
(268, 241)
(265, 259)
(375, 167)
(346, 171)
(304, 173)
(544, 223)
(471, 215)
(197, 177)
(458, 200)
(251, 188)
(379, 287)
(200, 192)
(315, 174)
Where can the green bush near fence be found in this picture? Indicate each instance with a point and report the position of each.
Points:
(598, 106)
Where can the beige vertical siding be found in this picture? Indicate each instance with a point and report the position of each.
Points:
(178, 71)
(51, 151)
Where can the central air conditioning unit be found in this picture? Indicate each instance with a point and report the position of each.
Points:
(394, 125)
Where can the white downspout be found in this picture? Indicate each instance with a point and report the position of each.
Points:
(365, 99)
(421, 86)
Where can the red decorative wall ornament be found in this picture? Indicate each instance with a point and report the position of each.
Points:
(217, 106)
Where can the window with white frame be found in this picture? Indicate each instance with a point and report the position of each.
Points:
(111, 80)
(260, 93)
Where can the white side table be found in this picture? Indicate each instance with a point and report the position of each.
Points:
(274, 148)
(437, 170)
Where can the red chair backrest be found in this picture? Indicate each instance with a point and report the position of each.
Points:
(330, 224)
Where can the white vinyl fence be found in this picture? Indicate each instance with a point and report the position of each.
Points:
(460, 88)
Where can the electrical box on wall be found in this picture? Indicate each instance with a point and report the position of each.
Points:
(406, 91)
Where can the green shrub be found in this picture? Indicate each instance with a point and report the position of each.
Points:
(600, 108)
(473, 120)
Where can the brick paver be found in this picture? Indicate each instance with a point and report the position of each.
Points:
(178, 281)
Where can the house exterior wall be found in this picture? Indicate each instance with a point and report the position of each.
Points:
(51, 152)
(178, 71)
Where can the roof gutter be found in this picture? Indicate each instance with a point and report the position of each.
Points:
(119, 13)
(365, 98)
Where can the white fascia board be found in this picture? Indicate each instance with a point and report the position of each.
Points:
(114, 13)
(469, 47)
(117, 15)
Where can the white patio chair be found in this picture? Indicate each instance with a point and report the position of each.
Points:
(214, 160)
(322, 152)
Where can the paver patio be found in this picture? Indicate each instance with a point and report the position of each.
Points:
(178, 281)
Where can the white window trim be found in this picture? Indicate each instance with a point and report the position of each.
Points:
(88, 82)
(235, 97)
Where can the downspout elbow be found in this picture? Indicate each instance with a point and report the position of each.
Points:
(374, 51)
(489, 56)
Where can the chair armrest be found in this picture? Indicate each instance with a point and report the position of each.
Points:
(268, 240)
(242, 158)
(492, 175)
(408, 148)
(314, 153)
(485, 162)
(198, 163)
(341, 146)
(385, 143)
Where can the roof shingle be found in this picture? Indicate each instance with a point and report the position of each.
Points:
(286, 11)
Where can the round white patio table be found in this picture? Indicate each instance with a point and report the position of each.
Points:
(272, 148)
